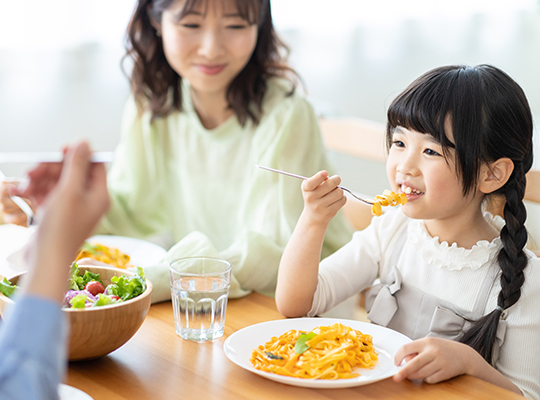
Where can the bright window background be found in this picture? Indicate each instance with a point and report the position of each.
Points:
(60, 76)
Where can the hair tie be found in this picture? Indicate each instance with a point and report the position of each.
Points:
(499, 308)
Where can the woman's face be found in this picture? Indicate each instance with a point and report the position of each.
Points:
(209, 46)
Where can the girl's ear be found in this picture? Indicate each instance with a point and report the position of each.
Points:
(493, 176)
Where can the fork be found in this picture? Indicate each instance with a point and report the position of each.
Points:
(370, 202)
(23, 205)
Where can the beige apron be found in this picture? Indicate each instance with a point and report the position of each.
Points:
(406, 309)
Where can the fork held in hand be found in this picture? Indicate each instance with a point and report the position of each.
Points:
(23, 205)
(303, 177)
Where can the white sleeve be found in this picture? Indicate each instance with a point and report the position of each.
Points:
(356, 265)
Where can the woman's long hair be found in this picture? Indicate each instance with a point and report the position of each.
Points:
(157, 87)
(490, 119)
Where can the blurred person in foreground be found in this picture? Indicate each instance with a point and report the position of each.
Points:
(71, 198)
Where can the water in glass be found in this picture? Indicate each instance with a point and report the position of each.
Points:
(199, 305)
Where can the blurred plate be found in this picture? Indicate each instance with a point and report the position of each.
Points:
(141, 253)
(239, 346)
(70, 393)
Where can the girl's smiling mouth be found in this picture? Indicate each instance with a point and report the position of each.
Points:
(410, 191)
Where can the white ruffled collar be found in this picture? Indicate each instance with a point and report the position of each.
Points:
(452, 257)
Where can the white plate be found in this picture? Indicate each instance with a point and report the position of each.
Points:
(70, 393)
(142, 253)
(239, 346)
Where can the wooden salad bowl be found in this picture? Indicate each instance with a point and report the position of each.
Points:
(97, 331)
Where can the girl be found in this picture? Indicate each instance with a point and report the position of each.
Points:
(212, 97)
(454, 279)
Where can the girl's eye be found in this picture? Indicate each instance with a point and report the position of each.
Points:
(191, 26)
(430, 152)
(398, 143)
(238, 26)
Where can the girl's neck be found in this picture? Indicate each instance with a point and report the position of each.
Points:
(465, 230)
(212, 108)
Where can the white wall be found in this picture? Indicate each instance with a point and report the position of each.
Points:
(60, 74)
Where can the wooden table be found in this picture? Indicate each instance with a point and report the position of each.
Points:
(157, 364)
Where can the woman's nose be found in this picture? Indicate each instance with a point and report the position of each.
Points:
(211, 46)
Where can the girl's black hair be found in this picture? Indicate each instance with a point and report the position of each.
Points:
(157, 87)
(490, 119)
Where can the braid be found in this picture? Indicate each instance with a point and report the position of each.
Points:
(512, 261)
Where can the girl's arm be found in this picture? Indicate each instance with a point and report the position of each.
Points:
(299, 266)
(435, 360)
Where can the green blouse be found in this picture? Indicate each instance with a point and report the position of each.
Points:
(198, 190)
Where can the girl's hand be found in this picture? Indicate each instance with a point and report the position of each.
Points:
(322, 197)
(9, 211)
(433, 360)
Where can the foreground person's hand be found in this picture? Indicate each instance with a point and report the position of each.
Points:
(71, 196)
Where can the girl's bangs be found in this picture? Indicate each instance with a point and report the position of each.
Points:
(423, 107)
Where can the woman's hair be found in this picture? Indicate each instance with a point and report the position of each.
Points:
(156, 85)
(490, 119)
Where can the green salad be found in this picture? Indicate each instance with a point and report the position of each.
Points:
(87, 290)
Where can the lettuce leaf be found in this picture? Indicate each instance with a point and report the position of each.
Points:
(127, 287)
(78, 282)
(104, 300)
(6, 288)
(78, 301)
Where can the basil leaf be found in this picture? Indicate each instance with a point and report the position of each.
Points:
(89, 248)
(273, 356)
(301, 345)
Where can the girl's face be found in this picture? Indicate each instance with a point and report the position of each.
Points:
(210, 45)
(417, 167)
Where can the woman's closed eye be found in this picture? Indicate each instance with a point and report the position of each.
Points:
(237, 26)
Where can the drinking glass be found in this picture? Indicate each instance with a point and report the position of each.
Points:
(199, 293)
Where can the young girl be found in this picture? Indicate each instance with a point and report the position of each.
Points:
(454, 279)
(212, 97)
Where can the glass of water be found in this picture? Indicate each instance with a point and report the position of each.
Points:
(199, 293)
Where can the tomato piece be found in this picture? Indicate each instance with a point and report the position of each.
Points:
(114, 297)
(95, 287)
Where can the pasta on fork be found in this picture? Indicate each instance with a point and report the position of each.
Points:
(388, 198)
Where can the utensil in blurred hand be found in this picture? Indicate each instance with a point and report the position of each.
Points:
(370, 202)
(36, 157)
(23, 205)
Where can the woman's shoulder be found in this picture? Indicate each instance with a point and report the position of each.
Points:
(282, 96)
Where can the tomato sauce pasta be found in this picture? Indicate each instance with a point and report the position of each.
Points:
(327, 352)
(104, 254)
(388, 198)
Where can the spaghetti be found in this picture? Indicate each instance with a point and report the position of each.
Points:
(327, 352)
(388, 198)
(104, 254)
